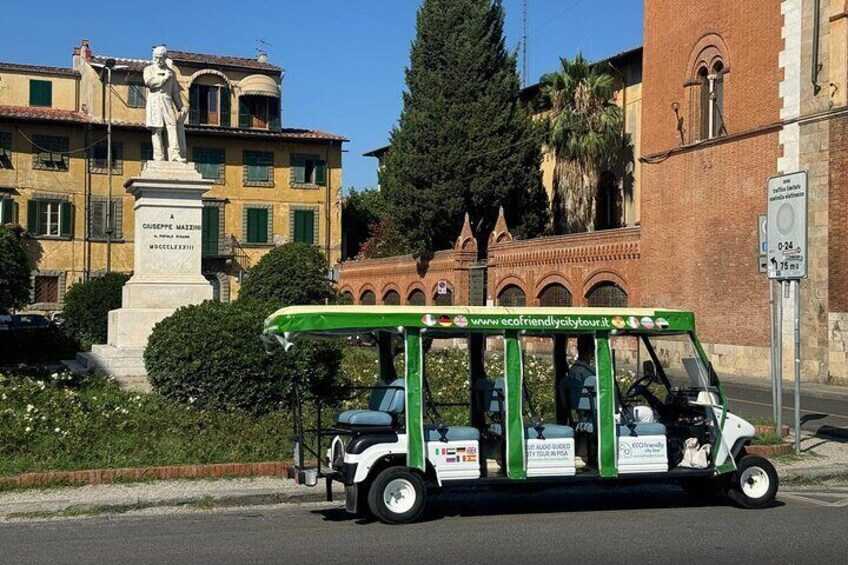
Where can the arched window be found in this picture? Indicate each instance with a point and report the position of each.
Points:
(555, 295)
(712, 100)
(347, 297)
(607, 294)
(368, 298)
(607, 203)
(445, 299)
(391, 298)
(512, 295)
(417, 298)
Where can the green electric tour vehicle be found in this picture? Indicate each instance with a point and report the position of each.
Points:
(631, 395)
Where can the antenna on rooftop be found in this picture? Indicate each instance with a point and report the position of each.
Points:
(524, 37)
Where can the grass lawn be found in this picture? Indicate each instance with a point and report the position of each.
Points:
(60, 422)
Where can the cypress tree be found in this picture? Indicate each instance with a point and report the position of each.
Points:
(464, 143)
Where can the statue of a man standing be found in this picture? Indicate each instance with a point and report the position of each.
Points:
(165, 108)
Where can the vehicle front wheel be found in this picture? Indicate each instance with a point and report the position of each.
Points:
(397, 496)
(755, 483)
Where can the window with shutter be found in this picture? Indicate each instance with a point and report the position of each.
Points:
(100, 156)
(308, 170)
(50, 218)
(257, 225)
(40, 93)
(226, 106)
(8, 211)
(136, 95)
(304, 226)
(258, 168)
(50, 153)
(211, 229)
(146, 153)
(209, 163)
(5, 150)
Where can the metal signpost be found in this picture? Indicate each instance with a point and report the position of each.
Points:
(786, 252)
(762, 262)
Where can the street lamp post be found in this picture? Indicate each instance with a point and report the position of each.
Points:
(108, 66)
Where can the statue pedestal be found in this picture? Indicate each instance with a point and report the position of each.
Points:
(167, 273)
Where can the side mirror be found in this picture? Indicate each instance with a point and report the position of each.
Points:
(648, 370)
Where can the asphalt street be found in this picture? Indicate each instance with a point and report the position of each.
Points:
(616, 524)
(755, 401)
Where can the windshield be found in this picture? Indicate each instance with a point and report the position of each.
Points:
(672, 357)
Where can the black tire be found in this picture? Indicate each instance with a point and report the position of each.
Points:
(397, 496)
(754, 484)
(703, 489)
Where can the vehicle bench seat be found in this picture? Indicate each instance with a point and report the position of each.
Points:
(452, 433)
(640, 429)
(386, 403)
(549, 431)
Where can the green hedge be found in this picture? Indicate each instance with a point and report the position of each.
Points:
(87, 306)
(294, 273)
(210, 355)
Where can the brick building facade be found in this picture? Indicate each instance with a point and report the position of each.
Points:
(731, 93)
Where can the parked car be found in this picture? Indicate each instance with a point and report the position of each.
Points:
(24, 322)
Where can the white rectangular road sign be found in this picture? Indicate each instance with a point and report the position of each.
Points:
(787, 226)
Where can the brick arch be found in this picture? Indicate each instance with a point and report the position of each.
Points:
(604, 276)
(362, 290)
(549, 279)
(709, 49)
(507, 281)
(389, 286)
(417, 285)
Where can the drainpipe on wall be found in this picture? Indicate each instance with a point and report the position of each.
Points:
(815, 67)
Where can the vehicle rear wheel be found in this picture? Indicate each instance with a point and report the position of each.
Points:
(755, 483)
(397, 496)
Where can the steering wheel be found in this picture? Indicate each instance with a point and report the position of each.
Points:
(639, 387)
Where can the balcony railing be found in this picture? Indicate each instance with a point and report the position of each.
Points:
(197, 116)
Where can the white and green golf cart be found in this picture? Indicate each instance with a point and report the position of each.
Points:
(639, 403)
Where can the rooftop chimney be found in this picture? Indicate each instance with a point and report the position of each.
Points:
(262, 57)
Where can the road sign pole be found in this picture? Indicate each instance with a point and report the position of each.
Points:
(778, 363)
(772, 364)
(797, 367)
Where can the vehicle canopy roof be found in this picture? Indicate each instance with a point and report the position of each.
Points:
(447, 320)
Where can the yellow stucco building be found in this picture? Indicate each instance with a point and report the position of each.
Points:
(271, 184)
(618, 191)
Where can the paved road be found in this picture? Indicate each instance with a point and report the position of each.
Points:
(622, 525)
(755, 401)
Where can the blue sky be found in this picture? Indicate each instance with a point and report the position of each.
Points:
(344, 59)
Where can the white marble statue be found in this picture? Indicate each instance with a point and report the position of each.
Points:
(165, 108)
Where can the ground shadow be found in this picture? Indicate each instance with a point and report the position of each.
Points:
(486, 502)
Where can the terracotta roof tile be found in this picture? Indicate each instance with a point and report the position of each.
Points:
(36, 69)
(194, 58)
(47, 114)
(69, 116)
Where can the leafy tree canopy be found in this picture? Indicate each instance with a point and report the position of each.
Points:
(14, 271)
(464, 143)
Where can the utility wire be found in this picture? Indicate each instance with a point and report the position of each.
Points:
(46, 150)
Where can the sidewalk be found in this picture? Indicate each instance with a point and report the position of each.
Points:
(98, 499)
(817, 390)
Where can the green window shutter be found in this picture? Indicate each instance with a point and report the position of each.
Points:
(97, 218)
(257, 225)
(33, 209)
(40, 93)
(304, 226)
(226, 106)
(194, 104)
(299, 165)
(244, 114)
(321, 172)
(7, 211)
(117, 231)
(66, 215)
(253, 169)
(211, 217)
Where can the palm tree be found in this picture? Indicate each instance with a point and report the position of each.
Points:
(585, 131)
